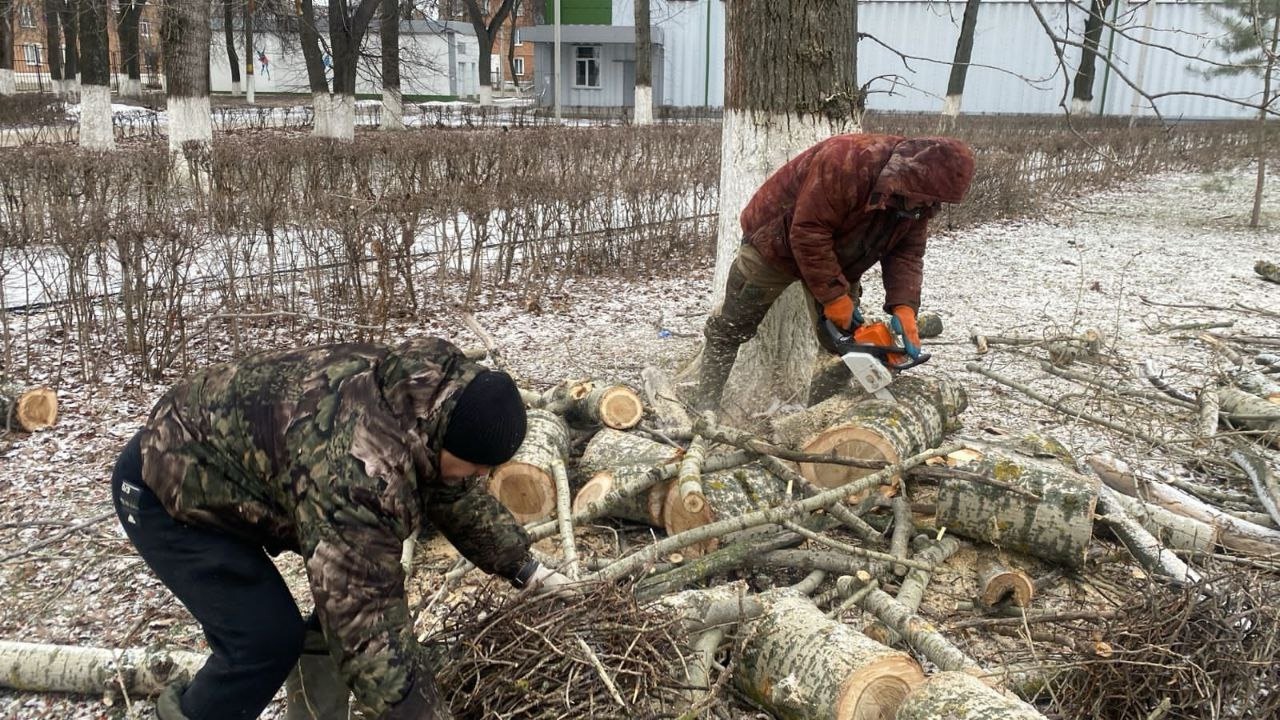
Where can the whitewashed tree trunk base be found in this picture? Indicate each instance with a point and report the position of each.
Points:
(235, 88)
(342, 117)
(951, 106)
(322, 112)
(96, 131)
(392, 110)
(131, 87)
(1081, 107)
(644, 105)
(8, 86)
(189, 120)
(486, 95)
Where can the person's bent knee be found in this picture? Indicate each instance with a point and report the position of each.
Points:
(273, 648)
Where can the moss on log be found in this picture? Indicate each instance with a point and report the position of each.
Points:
(960, 696)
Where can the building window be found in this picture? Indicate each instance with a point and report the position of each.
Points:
(144, 29)
(462, 48)
(31, 55)
(586, 66)
(520, 67)
(26, 16)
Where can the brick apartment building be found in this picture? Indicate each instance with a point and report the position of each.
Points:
(527, 13)
(31, 51)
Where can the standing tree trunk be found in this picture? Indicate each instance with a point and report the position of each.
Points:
(960, 64)
(1268, 73)
(346, 33)
(248, 52)
(185, 35)
(392, 99)
(511, 46)
(127, 22)
(788, 84)
(486, 31)
(644, 66)
(70, 47)
(95, 89)
(52, 28)
(1082, 93)
(229, 36)
(320, 101)
(7, 84)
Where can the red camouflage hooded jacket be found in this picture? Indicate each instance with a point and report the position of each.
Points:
(822, 216)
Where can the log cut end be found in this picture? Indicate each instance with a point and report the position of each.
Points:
(676, 518)
(620, 408)
(877, 689)
(33, 410)
(998, 583)
(847, 441)
(526, 490)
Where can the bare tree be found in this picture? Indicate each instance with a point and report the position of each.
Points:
(511, 42)
(788, 84)
(229, 39)
(95, 76)
(185, 35)
(389, 40)
(127, 18)
(309, 35)
(960, 65)
(1253, 40)
(53, 39)
(486, 30)
(347, 28)
(8, 86)
(1082, 92)
(70, 47)
(644, 66)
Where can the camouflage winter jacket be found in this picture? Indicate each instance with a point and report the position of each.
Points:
(332, 452)
(822, 216)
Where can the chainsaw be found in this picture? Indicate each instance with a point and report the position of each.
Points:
(873, 352)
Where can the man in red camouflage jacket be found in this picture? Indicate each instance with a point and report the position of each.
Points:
(337, 453)
(824, 219)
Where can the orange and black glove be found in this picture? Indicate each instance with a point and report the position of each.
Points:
(841, 312)
(903, 323)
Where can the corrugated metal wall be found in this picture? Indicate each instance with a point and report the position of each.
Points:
(1014, 68)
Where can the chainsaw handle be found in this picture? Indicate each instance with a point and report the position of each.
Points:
(920, 359)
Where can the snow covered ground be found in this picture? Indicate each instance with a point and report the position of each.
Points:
(1178, 239)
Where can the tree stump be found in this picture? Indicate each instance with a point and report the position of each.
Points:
(1029, 505)
(29, 410)
(525, 484)
(960, 696)
(848, 425)
(800, 665)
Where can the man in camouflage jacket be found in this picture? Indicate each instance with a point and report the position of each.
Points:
(337, 453)
(825, 218)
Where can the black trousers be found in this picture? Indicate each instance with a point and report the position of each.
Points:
(231, 587)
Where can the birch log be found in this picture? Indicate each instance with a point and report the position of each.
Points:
(593, 403)
(526, 484)
(28, 410)
(1267, 270)
(1035, 506)
(960, 696)
(728, 493)
(1250, 411)
(1232, 533)
(614, 459)
(801, 665)
(92, 671)
(662, 397)
(852, 426)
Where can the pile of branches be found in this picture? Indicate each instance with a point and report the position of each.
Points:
(594, 652)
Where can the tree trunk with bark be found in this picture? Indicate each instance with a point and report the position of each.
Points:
(346, 35)
(185, 36)
(1253, 412)
(526, 484)
(130, 54)
(788, 84)
(1082, 91)
(95, 82)
(1018, 502)
(1268, 99)
(8, 85)
(644, 65)
(960, 696)
(229, 39)
(486, 31)
(92, 671)
(801, 665)
(70, 47)
(997, 582)
(1267, 271)
(960, 63)
(309, 36)
(28, 410)
(392, 117)
(53, 39)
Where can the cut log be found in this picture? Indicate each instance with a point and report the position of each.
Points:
(660, 392)
(526, 483)
(1253, 412)
(960, 696)
(1034, 506)
(929, 324)
(612, 448)
(800, 665)
(92, 671)
(1267, 270)
(1252, 381)
(28, 410)
(689, 481)
(911, 591)
(645, 507)
(1142, 545)
(1232, 533)
(727, 493)
(998, 582)
(852, 426)
(1170, 529)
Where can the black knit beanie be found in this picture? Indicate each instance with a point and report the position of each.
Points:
(488, 422)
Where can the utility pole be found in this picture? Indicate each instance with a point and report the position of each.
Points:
(249, 58)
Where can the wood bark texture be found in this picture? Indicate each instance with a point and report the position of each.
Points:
(1142, 545)
(1267, 270)
(612, 448)
(663, 399)
(998, 582)
(911, 591)
(1265, 484)
(28, 410)
(800, 665)
(91, 671)
(727, 493)
(960, 696)
(1039, 507)
(1253, 412)
(526, 483)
